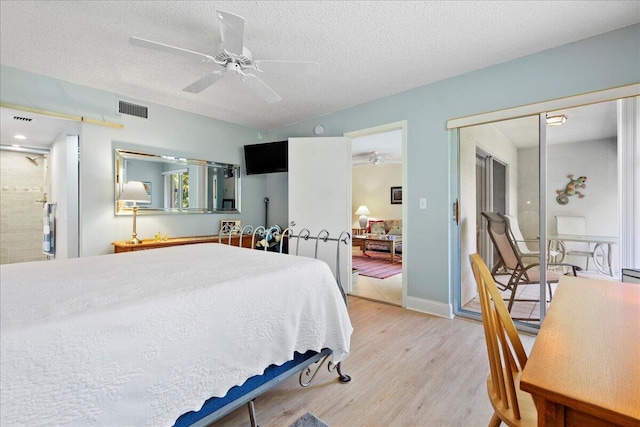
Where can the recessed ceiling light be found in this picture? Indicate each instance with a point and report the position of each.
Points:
(556, 120)
(20, 137)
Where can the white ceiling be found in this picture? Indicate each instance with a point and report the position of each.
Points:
(39, 130)
(387, 146)
(588, 123)
(366, 50)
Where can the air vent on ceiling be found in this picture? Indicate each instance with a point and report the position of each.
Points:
(22, 119)
(133, 109)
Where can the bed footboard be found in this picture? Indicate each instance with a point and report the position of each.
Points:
(217, 407)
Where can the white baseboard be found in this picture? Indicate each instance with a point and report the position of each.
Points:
(430, 307)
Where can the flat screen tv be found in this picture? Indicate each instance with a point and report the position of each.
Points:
(269, 157)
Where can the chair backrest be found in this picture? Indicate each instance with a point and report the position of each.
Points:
(504, 348)
(517, 234)
(499, 229)
(572, 225)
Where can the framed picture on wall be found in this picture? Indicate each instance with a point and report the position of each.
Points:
(396, 195)
(230, 226)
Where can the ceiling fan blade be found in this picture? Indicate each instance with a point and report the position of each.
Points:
(261, 89)
(295, 67)
(169, 49)
(231, 32)
(200, 85)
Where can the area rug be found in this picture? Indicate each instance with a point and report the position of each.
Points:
(377, 268)
(309, 420)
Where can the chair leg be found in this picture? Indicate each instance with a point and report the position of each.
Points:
(550, 293)
(495, 421)
(513, 297)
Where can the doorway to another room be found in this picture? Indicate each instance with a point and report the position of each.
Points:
(39, 156)
(24, 193)
(378, 212)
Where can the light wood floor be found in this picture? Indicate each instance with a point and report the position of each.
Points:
(387, 290)
(407, 369)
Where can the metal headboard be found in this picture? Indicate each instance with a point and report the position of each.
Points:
(274, 233)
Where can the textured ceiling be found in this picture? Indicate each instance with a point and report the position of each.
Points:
(366, 50)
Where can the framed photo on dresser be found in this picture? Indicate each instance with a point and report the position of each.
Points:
(230, 226)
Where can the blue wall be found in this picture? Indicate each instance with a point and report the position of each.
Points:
(167, 131)
(606, 61)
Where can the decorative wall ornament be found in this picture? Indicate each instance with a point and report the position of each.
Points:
(571, 189)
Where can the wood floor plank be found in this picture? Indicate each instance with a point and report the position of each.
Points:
(408, 369)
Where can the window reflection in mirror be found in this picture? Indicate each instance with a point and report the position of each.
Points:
(178, 185)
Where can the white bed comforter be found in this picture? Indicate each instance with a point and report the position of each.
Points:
(140, 338)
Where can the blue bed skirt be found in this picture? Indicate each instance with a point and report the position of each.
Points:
(217, 407)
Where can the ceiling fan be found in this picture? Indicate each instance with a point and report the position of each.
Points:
(233, 58)
(374, 158)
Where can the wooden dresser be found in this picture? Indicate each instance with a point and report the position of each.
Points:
(125, 246)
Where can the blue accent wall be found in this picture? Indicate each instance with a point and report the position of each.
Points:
(602, 62)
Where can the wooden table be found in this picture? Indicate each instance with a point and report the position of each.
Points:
(384, 241)
(584, 368)
(125, 246)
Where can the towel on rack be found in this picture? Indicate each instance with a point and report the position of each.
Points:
(49, 230)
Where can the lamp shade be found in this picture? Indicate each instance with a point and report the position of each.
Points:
(363, 210)
(134, 191)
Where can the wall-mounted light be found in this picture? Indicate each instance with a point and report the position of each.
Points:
(20, 137)
(558, 120)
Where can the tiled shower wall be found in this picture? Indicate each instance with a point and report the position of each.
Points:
(21, 217)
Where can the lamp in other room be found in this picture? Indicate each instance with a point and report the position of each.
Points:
(558, 120)
(363, 211)
(134, 191)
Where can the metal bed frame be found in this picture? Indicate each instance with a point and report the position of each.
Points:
(307, 373)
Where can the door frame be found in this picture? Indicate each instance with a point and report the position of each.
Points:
(388, 127)
(489, 160)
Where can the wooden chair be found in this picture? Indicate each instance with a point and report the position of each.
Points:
(507, 357)
(521, 273)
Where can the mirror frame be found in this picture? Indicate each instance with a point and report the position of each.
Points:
(121, 154)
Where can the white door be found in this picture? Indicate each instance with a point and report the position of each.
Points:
(320, 197)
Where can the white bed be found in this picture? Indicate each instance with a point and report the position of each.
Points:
(140, 338)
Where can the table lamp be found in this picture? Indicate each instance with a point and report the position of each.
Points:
(363, 211)
(134, 191)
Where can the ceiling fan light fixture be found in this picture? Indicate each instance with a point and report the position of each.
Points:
(558, 120)
(375, 158)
